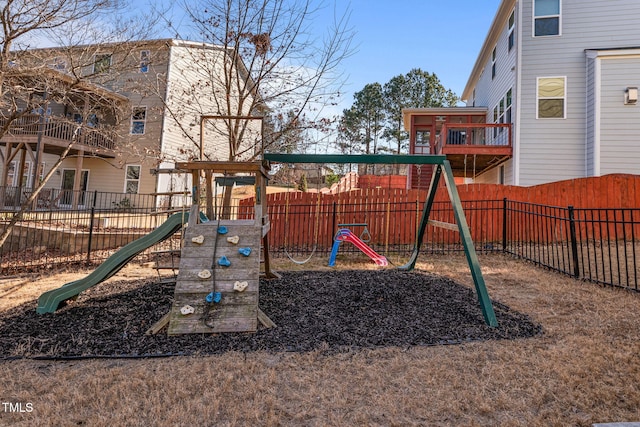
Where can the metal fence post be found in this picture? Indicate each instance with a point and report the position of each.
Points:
(91, 222)
(504, 225)
(333, 224)
(574, 242)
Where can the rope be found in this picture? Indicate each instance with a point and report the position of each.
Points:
(316, 232)
(207, 308)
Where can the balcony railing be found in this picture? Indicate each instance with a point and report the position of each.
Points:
(60, 130)
(474, 134)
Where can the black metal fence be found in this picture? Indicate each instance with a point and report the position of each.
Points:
(79, 228)
(598, 245)
(54, 199)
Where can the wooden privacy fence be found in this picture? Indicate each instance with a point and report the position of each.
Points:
(385, 218)
(304, 221)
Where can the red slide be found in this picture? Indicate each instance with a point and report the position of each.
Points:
(346, 235)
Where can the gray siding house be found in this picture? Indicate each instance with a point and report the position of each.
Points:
(162, 87)
(573, 69)
(564, 76)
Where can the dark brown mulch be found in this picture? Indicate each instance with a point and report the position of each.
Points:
(332, 311)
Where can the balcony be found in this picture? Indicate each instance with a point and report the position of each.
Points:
(57, 133)
(474, 148)
(471, 145)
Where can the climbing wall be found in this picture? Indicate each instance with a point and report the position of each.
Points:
(218, 294)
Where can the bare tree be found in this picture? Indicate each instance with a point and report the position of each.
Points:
(33, 80)
(268, 62)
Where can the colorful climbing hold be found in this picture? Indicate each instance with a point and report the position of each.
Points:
(187, 310)
(234, 239)
(245, 251)
(222, 230)
(204, 274)
(198, 239)
(224, 261)
(213, 297)
(240, 286)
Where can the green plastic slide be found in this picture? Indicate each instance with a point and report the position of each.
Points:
(50, 300)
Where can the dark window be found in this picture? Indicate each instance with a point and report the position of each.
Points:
(547, 18)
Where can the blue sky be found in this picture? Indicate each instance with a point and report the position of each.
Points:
(394, 36)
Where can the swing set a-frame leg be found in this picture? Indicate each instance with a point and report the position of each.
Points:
(465, 237)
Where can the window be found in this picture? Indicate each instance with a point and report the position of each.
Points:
(138, 120)
(132, 179)
(43, 165)
(502, 112)
(41, 112)
(546, 17)
(512, 33)
(102, 63)
(14, 179)
(59, 64)
(493, 64)
(508, 101)
(144, 61)
(552, 92)
(423, 139)
(11, 173)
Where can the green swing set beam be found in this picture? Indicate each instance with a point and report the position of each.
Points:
(442, 169)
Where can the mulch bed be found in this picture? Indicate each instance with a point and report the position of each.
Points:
(330, 311)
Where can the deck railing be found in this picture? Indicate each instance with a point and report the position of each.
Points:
(62, 130)
(474, 134)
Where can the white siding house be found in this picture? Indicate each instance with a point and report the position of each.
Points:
(570, 66)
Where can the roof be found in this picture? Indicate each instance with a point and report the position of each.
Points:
(78, 85)
(504, 11)
(439, 111)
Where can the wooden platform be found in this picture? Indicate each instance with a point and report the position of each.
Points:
(236, 311)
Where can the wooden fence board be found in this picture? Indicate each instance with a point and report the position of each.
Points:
(370, 205)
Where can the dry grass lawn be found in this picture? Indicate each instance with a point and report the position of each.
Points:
(584, 369)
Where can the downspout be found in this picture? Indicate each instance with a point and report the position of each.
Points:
(597, 71)
(518, 100)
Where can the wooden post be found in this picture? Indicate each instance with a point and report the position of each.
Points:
(208, 186)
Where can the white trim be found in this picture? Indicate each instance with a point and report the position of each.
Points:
(597, 75)
(613, 53)
(518, 99)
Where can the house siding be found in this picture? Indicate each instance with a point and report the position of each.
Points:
(492, 176)
(620, 123)
(490, 90)
(195, 74)
(175, 91)
(577, 145)
(556, 149)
